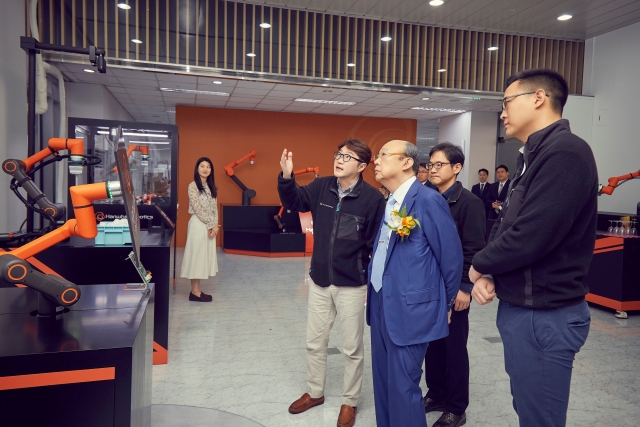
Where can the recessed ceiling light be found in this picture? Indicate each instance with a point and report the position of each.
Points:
(493, 48)
(386, 39)
(171, 111)
(440, 110)
(442, 70)
(324, 101)
(149, 142)
(265, 25)
(425, 99)
(436, 2)
(124, 6)
(351, 64)
(193, 91)
(103, 132)
(87, 70)
(136, 41)
(564, 17)
(217, 82)
(251, 55)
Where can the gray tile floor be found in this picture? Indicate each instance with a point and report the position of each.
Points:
(245, 354)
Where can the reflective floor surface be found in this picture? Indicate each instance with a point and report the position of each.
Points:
(244, 354)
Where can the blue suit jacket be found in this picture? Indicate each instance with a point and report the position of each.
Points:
(422, 273)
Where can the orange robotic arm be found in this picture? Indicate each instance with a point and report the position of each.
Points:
(615, 181)
(229, 168)
(75, 147)
(57, 292)
(144, 151)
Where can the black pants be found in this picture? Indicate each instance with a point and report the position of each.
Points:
(446, 369)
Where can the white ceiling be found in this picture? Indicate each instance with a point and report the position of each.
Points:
(530, 17)
(138, 92)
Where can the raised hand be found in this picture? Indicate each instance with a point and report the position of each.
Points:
(286, 163)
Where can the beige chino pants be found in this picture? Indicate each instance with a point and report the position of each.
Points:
(324, 304)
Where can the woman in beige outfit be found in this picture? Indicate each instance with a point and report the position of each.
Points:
(200, 261)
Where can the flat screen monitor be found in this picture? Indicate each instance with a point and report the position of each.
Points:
(131, 209)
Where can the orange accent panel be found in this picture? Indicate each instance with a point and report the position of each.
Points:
(231, 133)
(265, 254)
(160, 354)
(611, 303)
(615, 248)
(57, 378)
(608, 241)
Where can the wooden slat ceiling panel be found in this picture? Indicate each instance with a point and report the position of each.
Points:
(311, 44)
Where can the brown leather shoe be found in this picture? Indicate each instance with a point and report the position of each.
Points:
(347, 416)
(304, 403)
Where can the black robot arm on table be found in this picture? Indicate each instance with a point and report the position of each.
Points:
(59, 291)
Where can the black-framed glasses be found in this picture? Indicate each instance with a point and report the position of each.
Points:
(504, 100)
(345, 157)
(437, 165)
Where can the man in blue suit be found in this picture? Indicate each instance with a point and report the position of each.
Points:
(413, 285)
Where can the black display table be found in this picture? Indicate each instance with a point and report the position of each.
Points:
(252, 230)
(90, 366)
(83, 263)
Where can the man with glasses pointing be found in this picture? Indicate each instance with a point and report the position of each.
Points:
(346, 214)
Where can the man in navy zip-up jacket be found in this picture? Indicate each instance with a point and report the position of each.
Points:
(540, 249)
(346, 213)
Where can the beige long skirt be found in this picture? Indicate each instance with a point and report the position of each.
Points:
(200, 260)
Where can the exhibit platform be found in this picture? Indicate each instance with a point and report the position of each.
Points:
(91, 366)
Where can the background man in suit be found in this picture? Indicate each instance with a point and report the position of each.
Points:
(446, 365)
(423, 176)
(412, 287)
(482, 187)
(498, 192)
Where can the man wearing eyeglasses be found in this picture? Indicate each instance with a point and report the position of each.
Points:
(414, 281)
(423, 176)
(346, 213)
(540, 249)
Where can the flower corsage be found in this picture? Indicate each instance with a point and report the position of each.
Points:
(402, 223)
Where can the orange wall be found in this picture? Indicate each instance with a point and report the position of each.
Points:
(226, 135)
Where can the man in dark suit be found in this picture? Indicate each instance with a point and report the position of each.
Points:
(497, 192)
(423, 176)
(413, 283)
(481, 188)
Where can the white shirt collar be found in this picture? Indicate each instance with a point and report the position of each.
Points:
(401, 191)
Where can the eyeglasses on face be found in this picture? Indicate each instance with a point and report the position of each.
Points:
(387, 155)
(345, 157)
(504, 100)
(437, 165)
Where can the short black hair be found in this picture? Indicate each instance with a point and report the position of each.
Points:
(542, 78)
(424, 165)
(503, 167)
(359, 147)
(453, 153)
(484, 170)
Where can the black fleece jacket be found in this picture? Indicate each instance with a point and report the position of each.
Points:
(343, 230)
(468, 213)
(542, 243)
